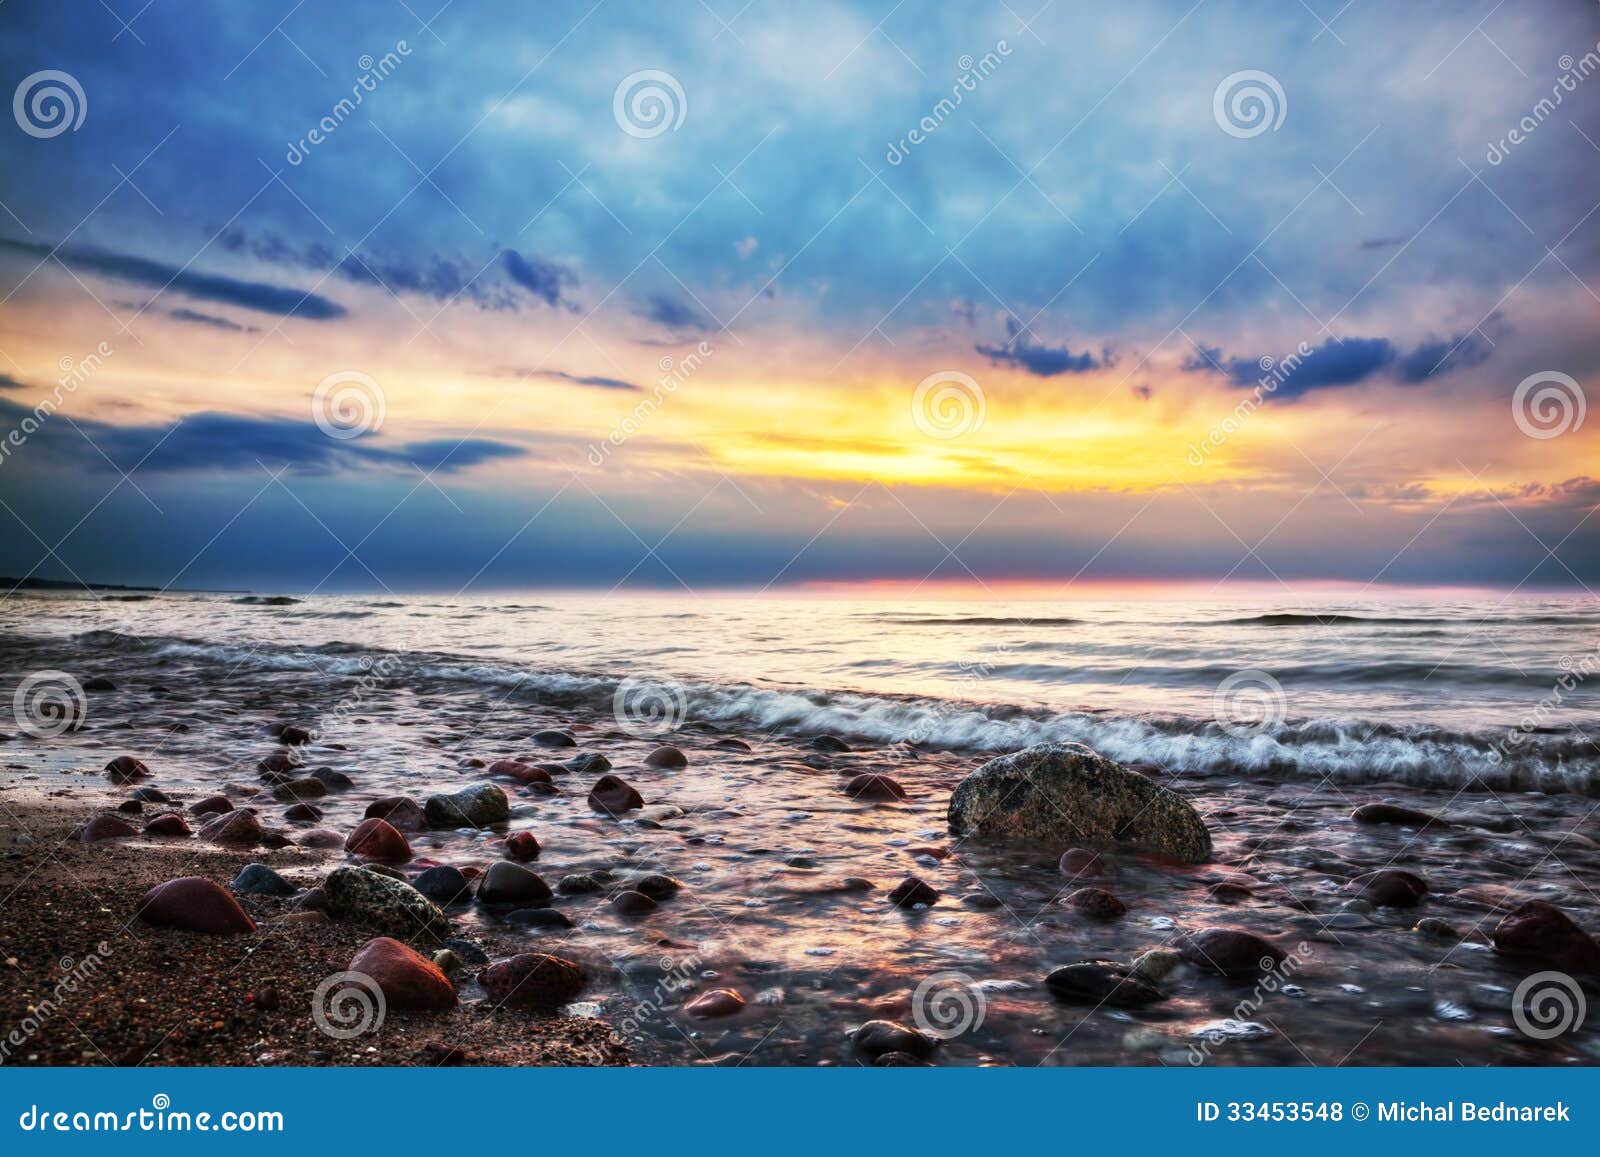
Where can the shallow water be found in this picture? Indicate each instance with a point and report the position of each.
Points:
(768, 836)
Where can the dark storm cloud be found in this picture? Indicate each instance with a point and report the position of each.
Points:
(1038, 359)
(544, 279)
(184, 281)
(1342, 362)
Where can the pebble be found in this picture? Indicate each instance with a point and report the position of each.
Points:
(533, 980)
(717, 1002)
(522, 846)
(406, 977)
(507, 883)
(400, 811)
(912, 893)
(333, 780)
(1233, 952)
(877, 1037)
(167, 824)
(298, 789)
(874, 787)
(829, 743)
(1082, 862)
(1388, 813)
(539, 918)
(553, 737)
(211, 805)
(1390, 888)
(1157, 962)
(1096, 902)
(632, 903)
(579, 884)
(303, 813)
(260, 880)
(666, 756)
(126, 769)
(105, 828)
(471, 807)
(1437, 929)
(657, 887)
(612, 795)
(444, 884)
(1097, 982)
(1542, 932)
(379, 841)
(194, 904)
(368, 897)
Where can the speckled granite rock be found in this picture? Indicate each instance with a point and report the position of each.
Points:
(1065, 792)
(359, 896)
(472, 807)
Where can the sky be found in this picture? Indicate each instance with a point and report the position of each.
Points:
(456, 296)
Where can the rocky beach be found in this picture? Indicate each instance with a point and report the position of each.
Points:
(349, 856)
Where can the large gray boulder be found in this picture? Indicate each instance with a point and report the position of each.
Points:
(472, 807)
(1066, 793)
(359, 896)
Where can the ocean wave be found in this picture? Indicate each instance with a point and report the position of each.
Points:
(1341, 750)
(264, 601)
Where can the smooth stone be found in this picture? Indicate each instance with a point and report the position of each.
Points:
(552, 737)
(612, 795)
(874, 787)
(167, 824)
(1389, 888)
(406, 978)
(1540, 931)
(1388, 813)
(298, 789)
(466, 949)
(829, 743)
(666, 756)
(302, 813)
(291, 736)
(579, 884)
(910, 892)
(1102, 982)
(518, 770)
(211, 805)
(539, 918)
(509, 883)
(716, 1002)
(260, 880)
(533, 980)
(1157, 963)
(1096, 902)
(401, 812)
(126, 769)
(194, 904)
(657, 887)
(362, 896)
(981, 901)
(1232, 952)
(378, 840)
(877, 1037)
(240, 828)
(588, 763)
(447, 962)
(444, 884)
(1081, 862)
(522, 846)
(333, 780)
(105, 828)
(472, 807)
(320, 838)
(98, 683)
(151, 795)
(1437, 929)
(632, 903)
(732, 743)
(1053, 792)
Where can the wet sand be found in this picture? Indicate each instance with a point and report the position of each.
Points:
(784, 883)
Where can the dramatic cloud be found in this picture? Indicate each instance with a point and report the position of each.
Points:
(7, 382)
(674, 314)
(186, 282)
(544, 279)
(1340, 362)
(197, 318)
(233, 442)
(1042, 361)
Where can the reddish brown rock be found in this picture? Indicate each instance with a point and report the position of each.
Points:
(279, 763)
(1390, 888)
(303, 813)
(632, 903)
(518, 770)
(320, 838)
(300, 789)
(1233, 952)
(614, 796)
(105, 828)
(406, 977)
(170, 824)
(194, 904)
(240, 828)
(874, 787)
(293, 736)
(717, 1002)
(522, 846)
(126, 769)
(1096, 902)
(211, 805)
(666, 756)
(533, 980)
(1082, 862)
(400, 811)
(1544, 933)
(378, 840)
